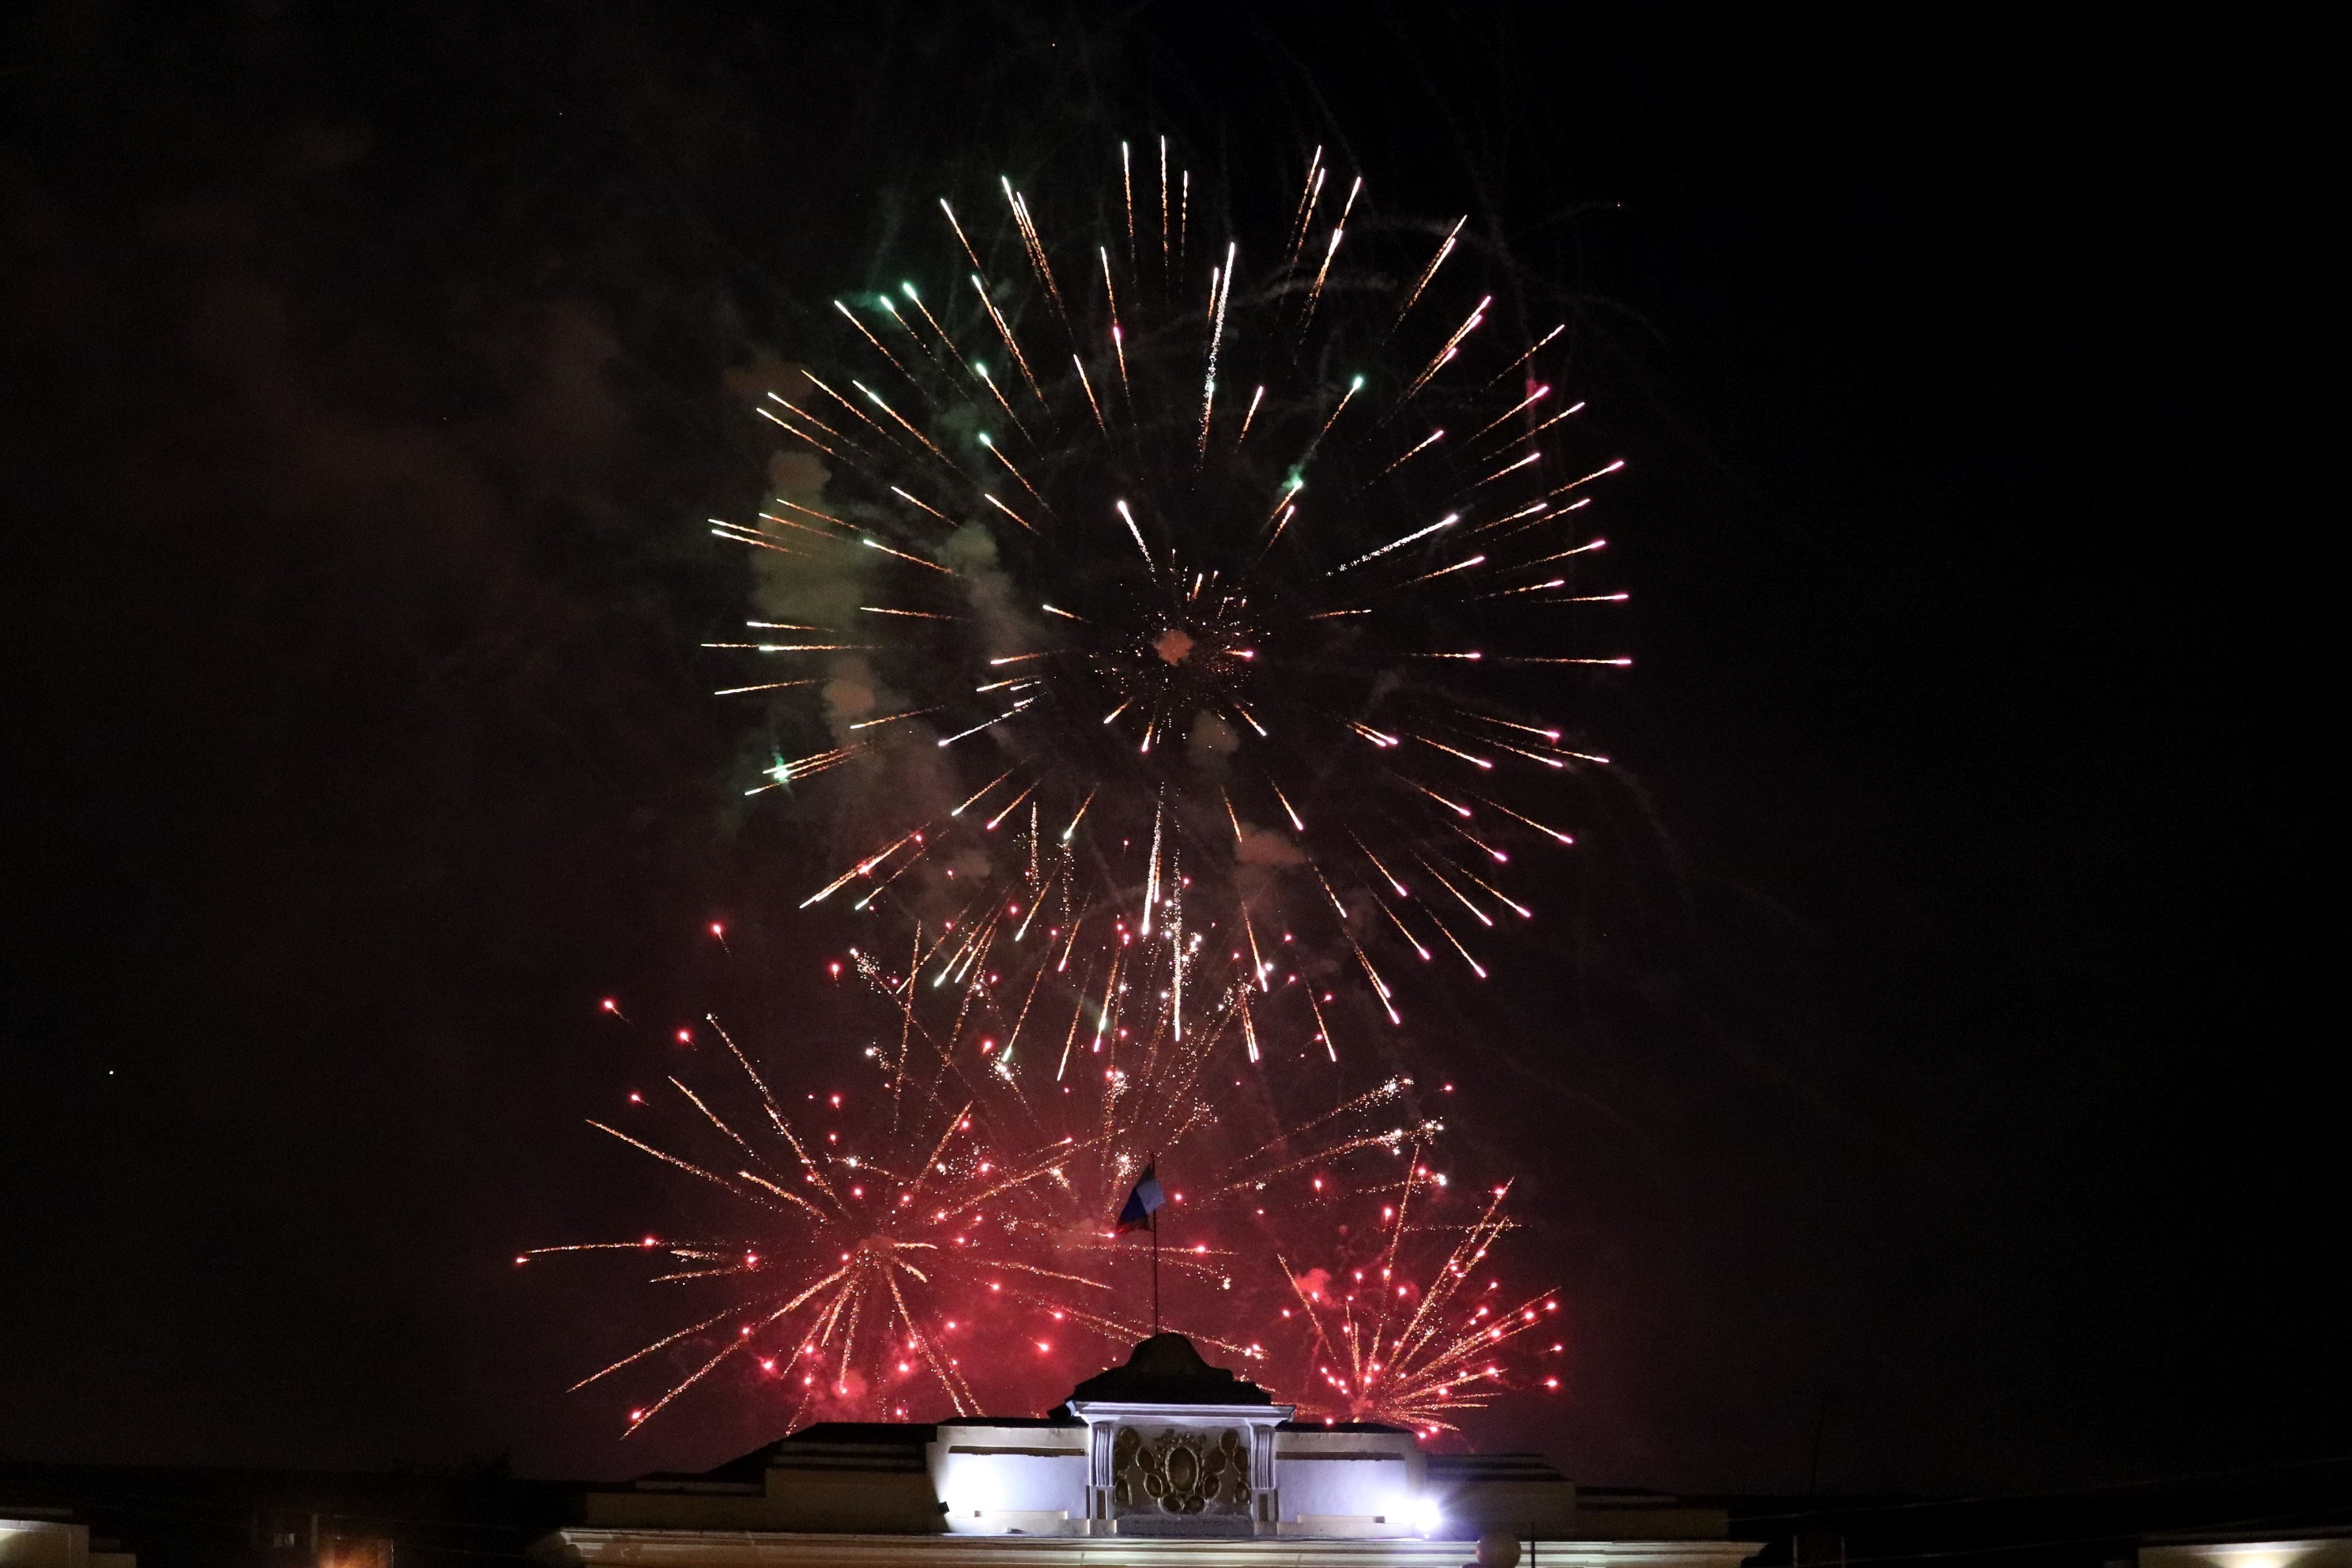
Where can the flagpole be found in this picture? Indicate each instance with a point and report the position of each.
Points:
(1155, 1256)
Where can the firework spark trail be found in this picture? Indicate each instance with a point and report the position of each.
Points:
(1445, 353)
(1309, 193)
(1249, 414)
(1540, 343)
(1036, 247)
(1221, 294)
(1330, 254)
(793, 429)
(1412, 296)
(1012, 344)
(866, 332)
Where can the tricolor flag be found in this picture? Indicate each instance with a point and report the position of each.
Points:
(1143, 1203)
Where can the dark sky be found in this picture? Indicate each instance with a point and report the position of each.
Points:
(1945, 1051)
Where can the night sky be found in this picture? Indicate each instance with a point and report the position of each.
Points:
(1941, 1054)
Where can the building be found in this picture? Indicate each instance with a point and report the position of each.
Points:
(2242, 1548)
(1014, 1492)
(2289, 1514)
(53, 1538)
(1164, 1460)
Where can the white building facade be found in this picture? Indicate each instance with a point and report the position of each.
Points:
(1165, 1460)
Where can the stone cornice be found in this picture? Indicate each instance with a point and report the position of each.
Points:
(586, 1548)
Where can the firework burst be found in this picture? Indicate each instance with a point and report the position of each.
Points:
(1188, 617)
(874, 1236)
(1388, 1345)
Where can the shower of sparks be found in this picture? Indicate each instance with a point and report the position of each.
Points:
(1387, 1345)
(873, 1245)
(1205, 629)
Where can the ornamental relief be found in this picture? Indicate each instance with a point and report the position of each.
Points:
(1180, 1470)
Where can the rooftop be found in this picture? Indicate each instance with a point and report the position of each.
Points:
(1167, 1369)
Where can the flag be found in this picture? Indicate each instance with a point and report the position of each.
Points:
(1143, 1203)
